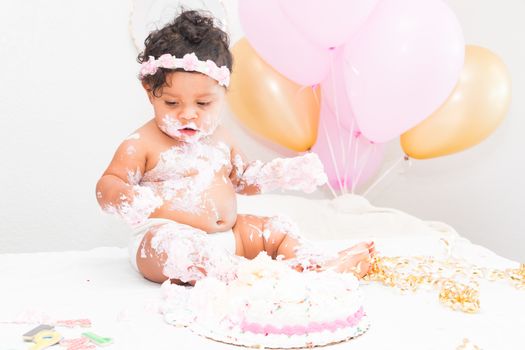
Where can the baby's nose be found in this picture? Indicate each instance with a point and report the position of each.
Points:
(189, 114)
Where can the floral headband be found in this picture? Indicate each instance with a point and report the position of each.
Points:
(189, 62)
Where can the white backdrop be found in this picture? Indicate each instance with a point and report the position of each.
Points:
(69, 95)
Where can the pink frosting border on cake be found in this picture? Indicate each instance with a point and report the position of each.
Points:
(312, 327)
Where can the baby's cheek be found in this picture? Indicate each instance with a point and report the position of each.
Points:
(210, 123)
(170, 125)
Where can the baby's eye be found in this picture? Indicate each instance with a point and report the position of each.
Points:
(203, 103)
(171, 103)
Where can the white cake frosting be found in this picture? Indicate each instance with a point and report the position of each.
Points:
(270, 305)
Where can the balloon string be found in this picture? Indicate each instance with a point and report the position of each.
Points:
(354, 168)
(388, 171)
(331, 188)
(315, 95)
(349, 147)
(328, 183)
(331, 151)
(337, 118)
(346, 165)
(370, 152)
(332, 155)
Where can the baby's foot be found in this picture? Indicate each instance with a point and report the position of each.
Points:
(356, 259)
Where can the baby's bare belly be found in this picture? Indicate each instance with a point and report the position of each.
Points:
(213, 209)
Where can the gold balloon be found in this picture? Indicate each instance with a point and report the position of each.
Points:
(271, 105)
(477, 105)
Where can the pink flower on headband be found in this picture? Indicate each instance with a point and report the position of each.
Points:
(166, 61)
(211, 68)
(223, 76)
(190, 62)
(149, 67)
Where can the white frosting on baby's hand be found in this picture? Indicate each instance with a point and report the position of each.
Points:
(304, 173)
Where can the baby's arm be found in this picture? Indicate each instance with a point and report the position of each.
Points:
(302, 173)
(118, 190)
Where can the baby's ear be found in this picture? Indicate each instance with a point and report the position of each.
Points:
(147, 87)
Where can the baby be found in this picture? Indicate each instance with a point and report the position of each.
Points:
(175, 179)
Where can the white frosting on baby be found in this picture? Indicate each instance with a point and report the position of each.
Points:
(134, 177)
(173, 127)
(307, 255)
(131, 150)
(134, 136)
(190, 257)
(304, 173)
(137, 209)
(184, 173)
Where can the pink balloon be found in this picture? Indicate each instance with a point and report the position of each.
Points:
(280, 44)
(328, 23)
(349, 158)
(402, 65)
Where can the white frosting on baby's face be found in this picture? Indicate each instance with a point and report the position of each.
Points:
(188, 107)
(188, 132)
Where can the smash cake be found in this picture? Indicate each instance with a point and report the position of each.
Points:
(270, 305)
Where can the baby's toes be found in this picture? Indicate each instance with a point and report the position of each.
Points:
(363, 267)
(358, 264)
(372, 249)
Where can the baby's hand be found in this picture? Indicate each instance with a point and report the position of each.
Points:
(304, 173)
(238, 175)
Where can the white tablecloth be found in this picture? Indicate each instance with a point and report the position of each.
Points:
(100, 285)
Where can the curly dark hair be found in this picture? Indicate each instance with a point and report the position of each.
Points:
(191, 31)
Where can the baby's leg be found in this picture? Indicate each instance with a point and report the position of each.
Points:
(150, 262)
(183, 254)
(278, 236)
(254, 234)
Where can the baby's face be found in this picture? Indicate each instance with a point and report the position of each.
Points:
(189, 107)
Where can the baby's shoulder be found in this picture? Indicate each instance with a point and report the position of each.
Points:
(147, 135)
(138, 142)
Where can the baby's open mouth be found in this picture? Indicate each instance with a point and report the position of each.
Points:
(189, 131)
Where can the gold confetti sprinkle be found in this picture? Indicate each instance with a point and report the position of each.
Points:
(517, 276)
(456, 280)
(467, 345)
(459, 296)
